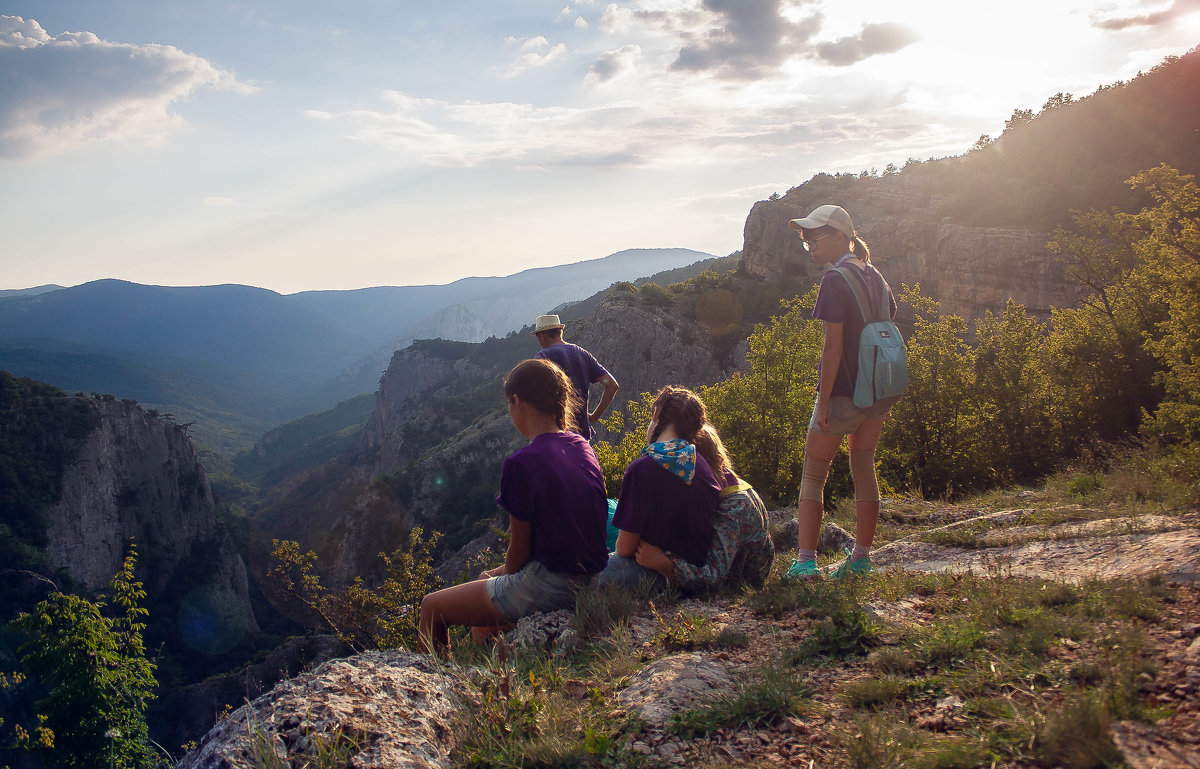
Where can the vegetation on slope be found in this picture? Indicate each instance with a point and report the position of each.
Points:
(40, 429)
(1010, 400)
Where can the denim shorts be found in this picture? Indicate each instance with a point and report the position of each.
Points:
(534, 589)
(628, 573)
(845, 417)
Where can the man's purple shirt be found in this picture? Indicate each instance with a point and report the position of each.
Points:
(583, 370)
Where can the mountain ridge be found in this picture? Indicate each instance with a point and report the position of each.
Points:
(287, 355)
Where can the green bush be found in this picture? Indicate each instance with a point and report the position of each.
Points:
(89, 678)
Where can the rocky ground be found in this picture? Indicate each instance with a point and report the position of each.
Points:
(396, 709)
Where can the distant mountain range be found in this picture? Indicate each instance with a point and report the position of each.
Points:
(237, 359)
(9, 293)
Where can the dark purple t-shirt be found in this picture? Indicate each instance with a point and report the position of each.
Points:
(836, 303)
(676, 516)
(556, 484)
(583, 370)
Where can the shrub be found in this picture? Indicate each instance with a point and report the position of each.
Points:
(95, 675)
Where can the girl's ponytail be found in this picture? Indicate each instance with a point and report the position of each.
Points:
(859, 247)
(708, 443)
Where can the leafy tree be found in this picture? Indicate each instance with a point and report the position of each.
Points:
(630, 425)
(930, 442)
(1019, 118)
(1138, 321)
(1170, 249)
(1012, 396)
(763, 415)
(92, 677)
(383, 617)
(655, 295)
(1090, 400)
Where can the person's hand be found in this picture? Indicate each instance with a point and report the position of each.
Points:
(824, 416)
(652, 557)
(496, 572)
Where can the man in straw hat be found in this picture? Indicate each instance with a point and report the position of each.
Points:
(582, 368)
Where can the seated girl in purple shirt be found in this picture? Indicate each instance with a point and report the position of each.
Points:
(742, 549)
(668, 495)
(553, 490)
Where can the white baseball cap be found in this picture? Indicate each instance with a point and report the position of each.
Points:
(826, 216)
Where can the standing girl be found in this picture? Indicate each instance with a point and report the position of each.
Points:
(668, 495)
(829, 236)
(553, 490)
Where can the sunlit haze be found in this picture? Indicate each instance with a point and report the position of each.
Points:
(302, 145)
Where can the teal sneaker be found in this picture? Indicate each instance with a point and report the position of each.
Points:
(802, 570)
(854, 568)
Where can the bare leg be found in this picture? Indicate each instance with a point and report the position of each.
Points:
(465, 604)
(482, 633)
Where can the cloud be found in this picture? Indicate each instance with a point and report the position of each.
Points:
(750, 39)
(216, 201)
(618, 19)
(1159, 18)
(874, 39)
(613, 64)
(535, 52)
(672, 131)
(63, 91)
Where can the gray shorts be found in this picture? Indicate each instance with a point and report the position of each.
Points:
(844, 417)
(534, 589)
(628, 573)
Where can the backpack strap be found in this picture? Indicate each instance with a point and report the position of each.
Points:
(859, 294)
(735, 488)
(859, 285)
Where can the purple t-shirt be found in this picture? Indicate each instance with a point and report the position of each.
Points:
(555, 484)
(583, 370)
(676, 516)
(836, 303)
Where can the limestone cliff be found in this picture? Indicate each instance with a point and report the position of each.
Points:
(968, 269)
(414, 374)
(138, 477)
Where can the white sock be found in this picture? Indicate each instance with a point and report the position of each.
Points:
(803, 555)
(859, 552)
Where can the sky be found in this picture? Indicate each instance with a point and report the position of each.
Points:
(298, 145)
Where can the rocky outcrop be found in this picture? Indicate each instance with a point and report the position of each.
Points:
(970, 270)
(453, 322)
(187, 713)
(1133, 548)
(138, 477)
(647, 348)
(389, 709)
(412, 376)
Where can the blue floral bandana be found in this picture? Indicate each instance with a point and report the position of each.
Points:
(677, 456)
